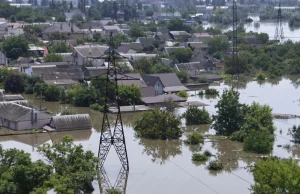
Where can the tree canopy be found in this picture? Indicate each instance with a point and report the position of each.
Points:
(53, 57)
(70, 169)
(156, 124)
(195, 116)
(15, 46)
(183, 55)
(276, 176)
(230, 113)
(129, 94)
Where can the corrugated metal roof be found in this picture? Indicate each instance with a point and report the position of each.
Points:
(13, 111)
(71, 122)
(91, 50)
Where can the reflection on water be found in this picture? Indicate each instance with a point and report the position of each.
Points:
(105, 185)
(37, 139)
(161, 150)
(151, 169)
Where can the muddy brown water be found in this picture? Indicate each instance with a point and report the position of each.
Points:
(158, 166)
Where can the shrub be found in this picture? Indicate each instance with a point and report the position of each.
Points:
(215, 165)
(207, 153)
(94, 107)
(260, 142)
(261, 77)
(182, 94)
(67, 111)
(199, 158)
(238, 135)
(201, 92)
(195, 116)
(211, 91)
(113, 191)
(194, 138)
(157, 124)
(52, 92)
(28, 90)
(295, 133)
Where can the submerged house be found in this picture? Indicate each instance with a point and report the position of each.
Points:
(164, 83)
(70, 122)
(18, 117)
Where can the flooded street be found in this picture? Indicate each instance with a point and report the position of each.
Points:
(158, 166)
(267, 26)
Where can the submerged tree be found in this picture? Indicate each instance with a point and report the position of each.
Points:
(196, 116)
(157, 124)
(230, 115)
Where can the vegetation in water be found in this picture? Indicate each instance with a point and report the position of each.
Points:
(215, 165)
(156, 124)
(230, 113)
(182, 94)
(211, 91)
(294, 132)
(276, 176)
(196, 116)
(194, 138)
(207, 153)
(261, 76)
(113, 191)
(199, 158)
(252, 125)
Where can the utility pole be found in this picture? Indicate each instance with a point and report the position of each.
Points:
(234, 37)
(279, 27)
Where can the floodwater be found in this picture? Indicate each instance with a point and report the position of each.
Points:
(158, 166)
(266, 26)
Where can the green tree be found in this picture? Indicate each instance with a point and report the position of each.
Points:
(18, 174)
(262, 38)
(176, 24)
(14, 83)
(129, 94)
(276, 176)
(15, 46)
(51, 92)
(149, 12)
(136, 31)
(196, 116)
(230, 115)
(183, 76)
(217, 44)
(82, 96)
(59, 48)
(75, 169)
(194, 138)
(259, 117)
(53, 57)
(182, 55)
(295, 133)
(157, 124)
(259, 141)
(161, 68)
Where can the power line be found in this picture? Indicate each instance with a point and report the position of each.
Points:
(195, 177)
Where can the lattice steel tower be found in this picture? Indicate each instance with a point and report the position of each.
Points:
(112, 136)
(234, 36)
(279, 28)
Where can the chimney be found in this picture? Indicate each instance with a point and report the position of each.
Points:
(90, 49)
(61, 26)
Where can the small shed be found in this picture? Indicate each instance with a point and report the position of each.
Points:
(71, 122)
